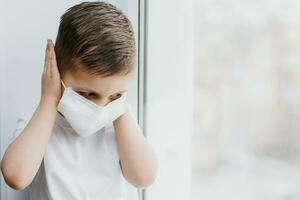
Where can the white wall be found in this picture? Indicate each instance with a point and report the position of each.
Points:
(25, 26)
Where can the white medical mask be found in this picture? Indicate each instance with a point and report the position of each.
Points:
(86, 117)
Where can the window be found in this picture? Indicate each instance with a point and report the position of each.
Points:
(224, 117)
(246, 135)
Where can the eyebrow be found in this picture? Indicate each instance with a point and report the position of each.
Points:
(87, 90)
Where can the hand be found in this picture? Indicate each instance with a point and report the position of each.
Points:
(51, 85)
(117, 108)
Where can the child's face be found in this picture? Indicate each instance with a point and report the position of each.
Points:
(100, 90)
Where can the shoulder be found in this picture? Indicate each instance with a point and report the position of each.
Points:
(20, 123)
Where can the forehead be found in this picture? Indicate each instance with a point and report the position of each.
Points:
(80, 79)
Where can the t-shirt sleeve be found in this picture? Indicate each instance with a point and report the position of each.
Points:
(21, 122)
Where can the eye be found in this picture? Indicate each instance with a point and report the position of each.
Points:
(87, 94)
(116, 96)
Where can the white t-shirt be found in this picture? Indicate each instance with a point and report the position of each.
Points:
(77, 168)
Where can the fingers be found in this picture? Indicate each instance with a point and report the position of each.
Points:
(47, 52)
(49, 66)
(47, 58)
(54, 67)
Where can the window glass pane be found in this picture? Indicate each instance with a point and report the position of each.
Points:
(246, 141)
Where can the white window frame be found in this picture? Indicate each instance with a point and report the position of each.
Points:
(166, 86)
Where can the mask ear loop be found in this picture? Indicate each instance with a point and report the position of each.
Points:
(63, 83)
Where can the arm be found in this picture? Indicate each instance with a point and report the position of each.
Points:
(24, 155)
(138, 160)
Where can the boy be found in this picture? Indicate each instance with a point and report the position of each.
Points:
(82, 142)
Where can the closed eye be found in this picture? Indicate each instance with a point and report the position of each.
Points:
(93, 95)
(116, 96)
(87, 94)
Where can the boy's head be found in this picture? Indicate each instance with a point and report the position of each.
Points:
(95, 50)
